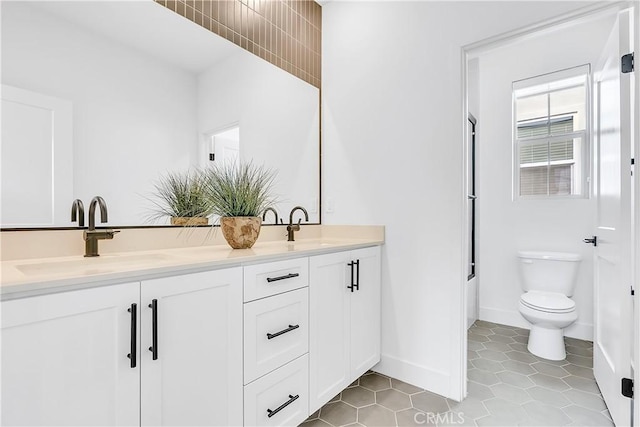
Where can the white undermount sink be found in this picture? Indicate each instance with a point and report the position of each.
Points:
(302, 244)
(95, 265)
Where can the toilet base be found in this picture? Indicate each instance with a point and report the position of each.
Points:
(547, 343)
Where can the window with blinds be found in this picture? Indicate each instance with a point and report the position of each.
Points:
(550, 134)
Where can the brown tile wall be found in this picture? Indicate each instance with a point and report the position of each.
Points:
(286, 33)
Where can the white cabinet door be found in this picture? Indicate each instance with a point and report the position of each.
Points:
(365, 311)
(196, 378)
(344, 320)
(328, 327)
(64, 359)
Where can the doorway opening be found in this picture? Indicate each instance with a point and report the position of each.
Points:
(224, 145)
(498, 225)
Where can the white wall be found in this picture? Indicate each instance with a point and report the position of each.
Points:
(392, 155)
(134, 116)
(505, 225)
(279, 117)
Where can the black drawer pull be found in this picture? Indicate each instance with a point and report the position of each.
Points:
(284, 331)
(351, 286)
(292, 399)
(134, 334)
(286, 276)
(355, 268)
(154, 328)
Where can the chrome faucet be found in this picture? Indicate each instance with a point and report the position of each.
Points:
(91, 235)
(77, 212)
(264, 215)
(295, 227)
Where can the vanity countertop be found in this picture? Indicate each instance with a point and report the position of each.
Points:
(29, 277)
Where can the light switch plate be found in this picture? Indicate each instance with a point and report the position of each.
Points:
(330, 206)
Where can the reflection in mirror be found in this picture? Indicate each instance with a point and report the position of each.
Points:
(145, 92)
(224, 146)
(36, 157)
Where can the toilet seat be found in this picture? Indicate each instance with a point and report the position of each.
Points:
(549, 302)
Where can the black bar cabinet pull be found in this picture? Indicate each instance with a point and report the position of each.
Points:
(286, 276)
(292, 399)
(352, 285)
(284, 331)
(134, 333)
(154, 328)
(357, 275)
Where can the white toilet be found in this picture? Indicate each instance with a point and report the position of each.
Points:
(548, 279)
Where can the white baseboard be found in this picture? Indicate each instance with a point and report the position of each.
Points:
(421, 376)
(583, 331)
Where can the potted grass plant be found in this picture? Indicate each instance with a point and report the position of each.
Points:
(239, 193)
(183, 197)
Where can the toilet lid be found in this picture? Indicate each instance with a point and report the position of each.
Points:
(548, 301)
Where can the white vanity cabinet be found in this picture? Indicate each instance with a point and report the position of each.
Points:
(192, 374)
(276, 343)
(64, 358)
(261, 344)
(344, 320)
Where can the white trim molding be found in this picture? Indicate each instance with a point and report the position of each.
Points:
(421, 376)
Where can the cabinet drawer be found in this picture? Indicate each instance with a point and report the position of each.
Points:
(263, 280)
(280, 398)
(276, 331)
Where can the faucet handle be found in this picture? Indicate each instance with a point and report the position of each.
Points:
(77, 212)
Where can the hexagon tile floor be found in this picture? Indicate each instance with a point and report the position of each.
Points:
(508, 386)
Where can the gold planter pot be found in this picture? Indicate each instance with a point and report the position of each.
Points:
(189, 221)
(241, 232)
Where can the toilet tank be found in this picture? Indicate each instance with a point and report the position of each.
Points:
(548, 271)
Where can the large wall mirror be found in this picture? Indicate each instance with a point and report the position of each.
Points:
(105, 98)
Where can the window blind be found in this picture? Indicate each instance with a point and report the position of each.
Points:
(546, 178)
(550, 133)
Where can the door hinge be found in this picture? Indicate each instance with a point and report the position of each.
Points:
(627, 63)
(633, 292)
(627, 387)
(633, 162)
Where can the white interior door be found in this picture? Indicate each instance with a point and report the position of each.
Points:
(226, 145)
(36, 159)
(227, 150)
(612, 136)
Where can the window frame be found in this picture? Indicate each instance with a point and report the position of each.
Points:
(584, 165)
